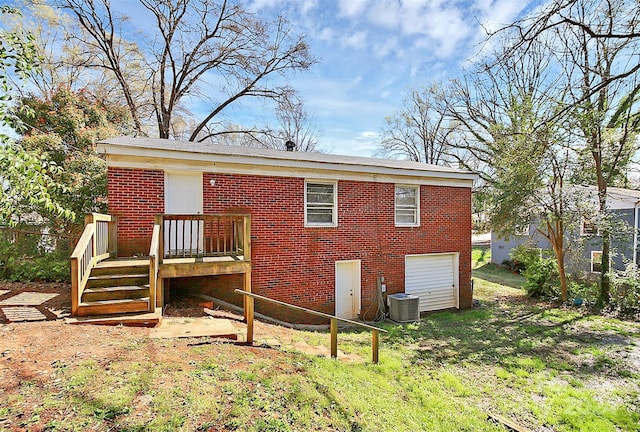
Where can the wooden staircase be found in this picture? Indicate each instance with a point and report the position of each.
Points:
(116, 287)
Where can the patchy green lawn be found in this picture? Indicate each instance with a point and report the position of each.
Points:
(483, 269)
(543, 367)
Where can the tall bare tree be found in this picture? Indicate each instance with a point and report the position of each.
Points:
(293, 124)
(421, 130)
(597, 47)
(502, 109)
(596, 20)
(214, 50)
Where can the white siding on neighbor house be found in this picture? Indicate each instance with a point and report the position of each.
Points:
(434, 279)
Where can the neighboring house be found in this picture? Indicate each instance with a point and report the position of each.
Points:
(325, 230)
(624, 205)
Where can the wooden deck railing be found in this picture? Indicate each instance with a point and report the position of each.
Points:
(98, 242)
(197, 236)
(249, 311)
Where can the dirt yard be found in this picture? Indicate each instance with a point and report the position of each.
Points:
(38, 340)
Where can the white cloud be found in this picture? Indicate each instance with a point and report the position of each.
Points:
(263, 4)
(494, 14)
(388, 47)
(308, 5)
(351, 8)
(355, 40)
(326, 34)
(367, 135)
(386, 14)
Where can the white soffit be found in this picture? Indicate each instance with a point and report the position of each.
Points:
(148, 153)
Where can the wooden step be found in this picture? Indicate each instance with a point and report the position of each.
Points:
(137, 319)
(121, 266)
(107, 307)
(115, 293)
(118, 280)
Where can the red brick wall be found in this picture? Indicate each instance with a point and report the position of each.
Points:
(135, 197)
(297, 264)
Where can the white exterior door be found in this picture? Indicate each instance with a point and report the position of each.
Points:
(434, 279)
(348, 289)
(183, 195)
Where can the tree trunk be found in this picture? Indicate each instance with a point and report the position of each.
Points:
(605, 280)
(556, 235)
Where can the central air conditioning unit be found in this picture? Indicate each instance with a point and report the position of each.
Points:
(404, 308)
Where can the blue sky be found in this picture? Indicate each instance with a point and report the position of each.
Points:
(371, 52)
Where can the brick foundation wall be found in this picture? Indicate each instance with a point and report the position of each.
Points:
(297, 264)
(135, 197)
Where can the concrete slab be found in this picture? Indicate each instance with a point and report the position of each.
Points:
(194, 327)
(22, 313)
(28, 298)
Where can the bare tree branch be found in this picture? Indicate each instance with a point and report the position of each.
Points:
(192, 45)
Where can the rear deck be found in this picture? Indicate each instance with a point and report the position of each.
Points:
(104, 284)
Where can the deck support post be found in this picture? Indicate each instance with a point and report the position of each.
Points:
(248, 306)
(247, 288)
(113, 237)
(334, 338)
(160, 293)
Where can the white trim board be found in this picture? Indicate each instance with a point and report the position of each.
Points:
(148, 153)
(371, 175)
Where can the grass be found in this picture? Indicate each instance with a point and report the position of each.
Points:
(483, 269)
(540, 366)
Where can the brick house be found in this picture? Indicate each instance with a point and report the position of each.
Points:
(326, 231)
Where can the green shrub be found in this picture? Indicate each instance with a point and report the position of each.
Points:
(541, 274)
(47, 268)
(20, 262)
(541, 278)
(625, 289)
(513, 266)
(585, 290)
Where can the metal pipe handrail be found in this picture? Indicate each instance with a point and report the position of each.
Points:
(333, 327)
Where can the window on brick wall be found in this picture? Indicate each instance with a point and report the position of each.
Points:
(407, 207)
(320, 203)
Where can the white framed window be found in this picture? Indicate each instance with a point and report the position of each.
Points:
(320, 203)
(407, 205)
(596, 261)
(588, 227)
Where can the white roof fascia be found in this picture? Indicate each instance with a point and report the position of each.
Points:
(141, 157)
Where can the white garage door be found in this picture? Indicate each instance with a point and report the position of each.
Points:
(434, 279)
